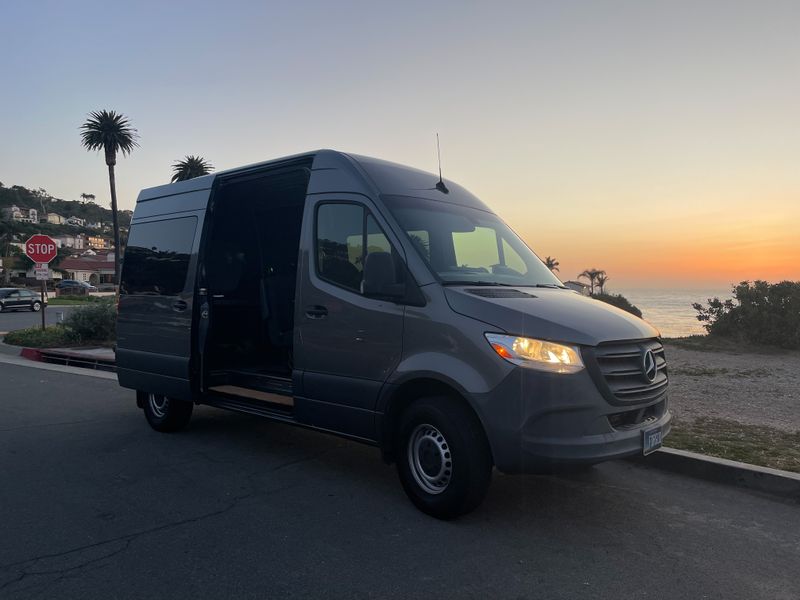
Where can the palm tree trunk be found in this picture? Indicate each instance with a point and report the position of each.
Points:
(115, 221)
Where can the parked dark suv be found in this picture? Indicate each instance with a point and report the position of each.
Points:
(16, 299)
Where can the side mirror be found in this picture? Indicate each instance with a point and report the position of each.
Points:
(380, 277)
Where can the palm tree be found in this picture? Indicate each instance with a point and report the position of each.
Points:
(551, 263)
(591, 275)
(190, 167)
(602, 278)
(111, 132)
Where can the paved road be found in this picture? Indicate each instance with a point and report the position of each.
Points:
(19, 319)
(96, 505)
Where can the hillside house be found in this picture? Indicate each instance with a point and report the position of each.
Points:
(76, 242)
(55, 219)
(21, 215)
(99, 242)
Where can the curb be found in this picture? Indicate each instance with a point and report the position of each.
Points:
(784, 484)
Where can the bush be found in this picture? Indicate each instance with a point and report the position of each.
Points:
(36, 337)
(619, 301)
(759, 313)
(93, 323)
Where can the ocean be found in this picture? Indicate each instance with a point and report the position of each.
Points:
(670, 310)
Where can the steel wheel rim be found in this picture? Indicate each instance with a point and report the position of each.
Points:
(429, 459)
(36, 307)
(158, 404)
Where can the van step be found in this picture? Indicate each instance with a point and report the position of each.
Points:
(259, 381)
(235, 390)
(251, 407)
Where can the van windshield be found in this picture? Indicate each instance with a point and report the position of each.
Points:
(467, 245)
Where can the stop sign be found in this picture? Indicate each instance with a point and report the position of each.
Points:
(41, 248)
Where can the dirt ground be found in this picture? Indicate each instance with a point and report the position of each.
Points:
(750, 388)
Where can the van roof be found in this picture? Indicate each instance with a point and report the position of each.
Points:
(382, 176)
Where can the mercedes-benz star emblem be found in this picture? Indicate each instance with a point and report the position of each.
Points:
(649, 369)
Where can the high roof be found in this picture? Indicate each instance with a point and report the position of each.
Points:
(340, 171)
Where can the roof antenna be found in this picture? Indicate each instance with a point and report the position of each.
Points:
(440, 184)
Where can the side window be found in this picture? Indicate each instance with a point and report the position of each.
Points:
(157, 257)
(340, 244)
(422, 240)
(376, 239)
(346, 235)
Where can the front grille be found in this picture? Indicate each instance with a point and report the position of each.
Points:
(619, 373)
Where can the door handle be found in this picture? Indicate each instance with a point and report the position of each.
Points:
(316, 311)
(179, 305)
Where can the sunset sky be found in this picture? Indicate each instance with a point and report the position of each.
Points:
(660, 142)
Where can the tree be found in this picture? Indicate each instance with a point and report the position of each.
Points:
(551, 263)
(111, 132)
(87, 197)
(591, 275)
(602, 278)
(190, 167)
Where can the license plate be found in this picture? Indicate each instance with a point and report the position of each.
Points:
(651, 440)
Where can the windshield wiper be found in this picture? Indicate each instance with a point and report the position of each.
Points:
(478, 283)
(553, 286)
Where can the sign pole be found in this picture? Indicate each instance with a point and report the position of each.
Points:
(44, 287)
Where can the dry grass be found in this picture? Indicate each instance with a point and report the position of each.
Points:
(723, 438)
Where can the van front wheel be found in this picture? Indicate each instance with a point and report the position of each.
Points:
(166, 414)
(443, 458)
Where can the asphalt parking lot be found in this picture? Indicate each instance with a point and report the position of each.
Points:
(97, 505)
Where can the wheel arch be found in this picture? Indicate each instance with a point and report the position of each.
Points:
(398, 397)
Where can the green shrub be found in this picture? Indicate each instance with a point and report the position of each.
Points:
(36, 337)
(619, 301)
(759, 313)
(92, 323)
(74, 300)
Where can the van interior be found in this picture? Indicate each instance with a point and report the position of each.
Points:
(249, 269)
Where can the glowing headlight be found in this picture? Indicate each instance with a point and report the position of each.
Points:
(536, 354)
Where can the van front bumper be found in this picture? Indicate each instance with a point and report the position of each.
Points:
(538, 421)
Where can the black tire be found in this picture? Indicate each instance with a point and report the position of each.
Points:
(166, 414)
(443, 458)
(36, 306)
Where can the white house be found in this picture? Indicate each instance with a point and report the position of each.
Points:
(77, 242)
(55, 219)
(578, 286)
(76, 221)
(23, 215)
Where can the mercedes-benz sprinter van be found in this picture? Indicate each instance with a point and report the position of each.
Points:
(379, 302)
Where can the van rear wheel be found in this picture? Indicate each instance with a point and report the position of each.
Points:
(166, 414)
(443, 457)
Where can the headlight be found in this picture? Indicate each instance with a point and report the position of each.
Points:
(536, 354)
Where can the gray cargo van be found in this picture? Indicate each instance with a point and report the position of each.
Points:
(378, 302)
